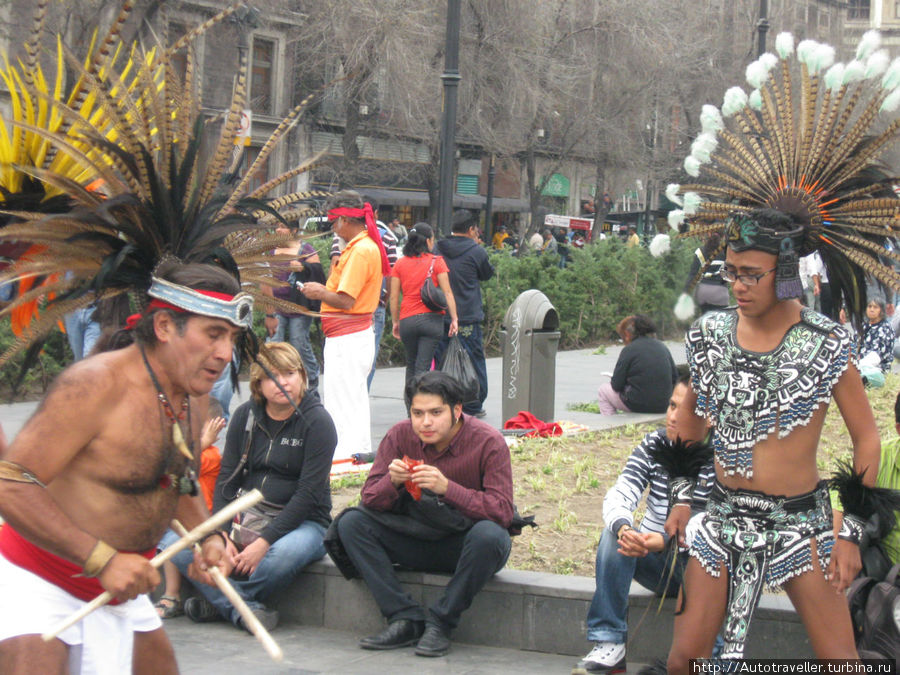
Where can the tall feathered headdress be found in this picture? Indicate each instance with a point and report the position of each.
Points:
(805, 142)
(25, 152)
(162, 195)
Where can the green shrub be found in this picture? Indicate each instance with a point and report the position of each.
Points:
(54, 356)
(603, 283)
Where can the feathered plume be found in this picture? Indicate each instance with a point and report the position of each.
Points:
(679, 458)
(162, 198)
(26, 192)
(807, 141)
(685, 308)
(864, 501)
(660, 245)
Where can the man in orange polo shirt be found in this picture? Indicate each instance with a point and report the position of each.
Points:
(349, 298)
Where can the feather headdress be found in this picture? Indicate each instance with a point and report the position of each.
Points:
(163, 195)
(25, 152)
(806, 142)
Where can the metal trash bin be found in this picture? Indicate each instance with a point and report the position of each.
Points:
(530, 338)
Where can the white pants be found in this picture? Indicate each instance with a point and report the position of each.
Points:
(100, 644)
(345, 396)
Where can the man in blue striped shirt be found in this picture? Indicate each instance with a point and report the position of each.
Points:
(628, 551)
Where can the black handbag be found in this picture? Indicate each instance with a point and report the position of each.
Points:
(432, 296)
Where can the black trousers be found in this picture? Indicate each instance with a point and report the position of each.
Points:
(472, 558)
(420, 335)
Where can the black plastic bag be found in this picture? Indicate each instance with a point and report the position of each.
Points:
(458, 363)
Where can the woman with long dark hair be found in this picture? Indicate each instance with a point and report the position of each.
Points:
(417, 327)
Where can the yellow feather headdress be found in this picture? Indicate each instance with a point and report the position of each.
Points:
(159, 197)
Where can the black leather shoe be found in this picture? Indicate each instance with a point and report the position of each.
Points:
(435, 641)
(399, 633)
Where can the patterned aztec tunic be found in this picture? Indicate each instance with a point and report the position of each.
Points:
(759, 538)
(746, 394)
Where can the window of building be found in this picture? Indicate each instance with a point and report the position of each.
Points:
(261, 75)
(858, 10)
(897, 9)
(251, 152)
(466, 184)
(179, 58)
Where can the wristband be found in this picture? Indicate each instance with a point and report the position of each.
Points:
(213, 534)
(98, 558)
(852, 528)
(622, 529)
(681, 491)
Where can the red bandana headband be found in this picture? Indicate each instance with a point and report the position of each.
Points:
(236, 309)
(368, 215)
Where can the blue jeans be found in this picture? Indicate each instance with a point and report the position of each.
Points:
(470, 336)
(81, 332)
(282, 562)
(607, 618)
(297, 328)
(378, 319)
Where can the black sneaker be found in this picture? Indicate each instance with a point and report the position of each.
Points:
(200, 610)
(267, 617)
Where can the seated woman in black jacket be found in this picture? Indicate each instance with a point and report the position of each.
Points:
(286, 453)
(645, 371)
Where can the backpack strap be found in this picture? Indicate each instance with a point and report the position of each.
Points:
(891, 577)
(245, 451)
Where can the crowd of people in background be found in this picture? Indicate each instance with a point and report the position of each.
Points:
(286, 437)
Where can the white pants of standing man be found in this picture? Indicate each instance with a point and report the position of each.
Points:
(345, 396)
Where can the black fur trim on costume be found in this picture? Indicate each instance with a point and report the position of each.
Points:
(681, 459)
(863, 501)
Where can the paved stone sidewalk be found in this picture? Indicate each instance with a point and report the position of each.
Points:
(220, 649)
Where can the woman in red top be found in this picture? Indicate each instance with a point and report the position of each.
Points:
(417, 327)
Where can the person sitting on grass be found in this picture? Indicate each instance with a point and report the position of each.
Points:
(877, 352)
(169, 605)
(628, 551)
(644, 374)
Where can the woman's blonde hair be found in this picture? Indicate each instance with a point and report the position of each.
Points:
(279, 357)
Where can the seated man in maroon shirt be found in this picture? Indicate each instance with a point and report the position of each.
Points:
(465, 465)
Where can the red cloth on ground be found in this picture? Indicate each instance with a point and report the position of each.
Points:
(525, 420)
(50, 567)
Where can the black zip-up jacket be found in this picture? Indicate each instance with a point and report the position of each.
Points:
(469, 266)
(292, 469)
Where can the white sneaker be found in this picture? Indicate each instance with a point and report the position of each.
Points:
(605, 657)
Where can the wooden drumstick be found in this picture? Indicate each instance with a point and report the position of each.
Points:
(198, 533)
(253, 623)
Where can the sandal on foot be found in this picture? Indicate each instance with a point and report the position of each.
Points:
(168, 607)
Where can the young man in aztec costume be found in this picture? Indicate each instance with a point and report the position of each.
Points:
(790, 171)
(94, 478)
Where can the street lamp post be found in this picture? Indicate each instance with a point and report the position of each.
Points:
(762, 27)
(450, 78)
(489, 202)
